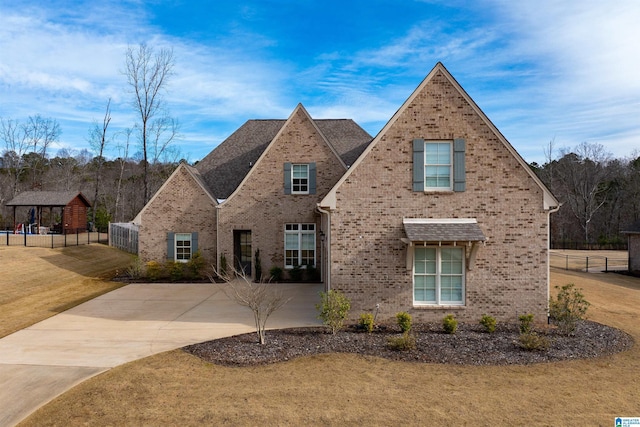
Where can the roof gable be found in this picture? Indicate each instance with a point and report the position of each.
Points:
(548, 199)
(193, 173)
(299, 110)
(224, 168)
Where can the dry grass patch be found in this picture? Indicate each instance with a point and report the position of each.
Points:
(44, 282)
(175, 388)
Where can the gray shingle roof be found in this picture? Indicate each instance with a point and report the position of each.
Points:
(432, 230)
(224, 168)
(632, 228)
(46, 198)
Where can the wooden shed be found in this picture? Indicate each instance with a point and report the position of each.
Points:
(72, 206)
(633, 240)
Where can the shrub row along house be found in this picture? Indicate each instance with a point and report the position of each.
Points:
(437, 214)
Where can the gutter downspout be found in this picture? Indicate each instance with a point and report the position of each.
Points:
(549, 212)
(327, 243)
(218, 211)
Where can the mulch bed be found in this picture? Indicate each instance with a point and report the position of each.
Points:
(470, 345)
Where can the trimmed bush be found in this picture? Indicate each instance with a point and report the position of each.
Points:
(404, 321)
(365, 323)
(195, 266)
(526, 323)
(154, 270)
(175, 270)
(450, 324)
(489, 323)
(333, 309)
(531, 341)
(295, 274)
(275, 273)
(568, 308)
(405, 342)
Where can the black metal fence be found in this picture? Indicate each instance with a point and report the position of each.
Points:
(588, 246)
(74, 238)
(588, 263)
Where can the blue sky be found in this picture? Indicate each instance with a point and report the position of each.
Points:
(541, 70)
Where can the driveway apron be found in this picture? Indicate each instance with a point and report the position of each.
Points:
(45, 360)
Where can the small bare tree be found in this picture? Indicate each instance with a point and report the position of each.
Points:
(262, 298)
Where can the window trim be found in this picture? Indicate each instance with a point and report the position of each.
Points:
(176, 239)
(436, 165)
(307, 179)
(438, 288)
(298, 229)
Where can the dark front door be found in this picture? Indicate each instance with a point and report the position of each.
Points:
(242, 251)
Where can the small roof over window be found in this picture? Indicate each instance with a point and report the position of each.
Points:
(443, 230)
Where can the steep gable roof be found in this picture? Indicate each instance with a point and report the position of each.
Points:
(549, 199)
(195, 175)
(46, 198)
(224, 168)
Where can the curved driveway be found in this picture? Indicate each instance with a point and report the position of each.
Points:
(45, 360)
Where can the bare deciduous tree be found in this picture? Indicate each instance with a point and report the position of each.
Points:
(584, 174)
(262, 298)
(148, 74)
(98, 140)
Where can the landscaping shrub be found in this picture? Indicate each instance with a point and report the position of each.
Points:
(175, 270)
(568, 308)
(526, 323)
(365, 323)
(450, 324)
(275, 273)
(154, 270)
(333, 309)
(489, 323)
(531, 341)
(404, 342)
(136, 269)
(295, 274)
(193, 268)
(404, 321)
(313, 274)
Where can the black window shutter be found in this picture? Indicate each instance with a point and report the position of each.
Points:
(287, 178)
(459, 171)
(418, 165)
(312, 178)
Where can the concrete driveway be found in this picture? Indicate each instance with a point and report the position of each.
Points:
(45, 360)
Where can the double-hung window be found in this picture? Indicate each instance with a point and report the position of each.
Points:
(300, 179)
(182, 247)
(299, 245)
(438, 275)
(439, 165)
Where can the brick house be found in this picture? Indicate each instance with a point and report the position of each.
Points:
(258, 190)
(437, 214)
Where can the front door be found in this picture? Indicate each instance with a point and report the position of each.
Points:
(242, 251)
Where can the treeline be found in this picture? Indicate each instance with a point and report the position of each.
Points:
(120, 185)
(600, 196)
